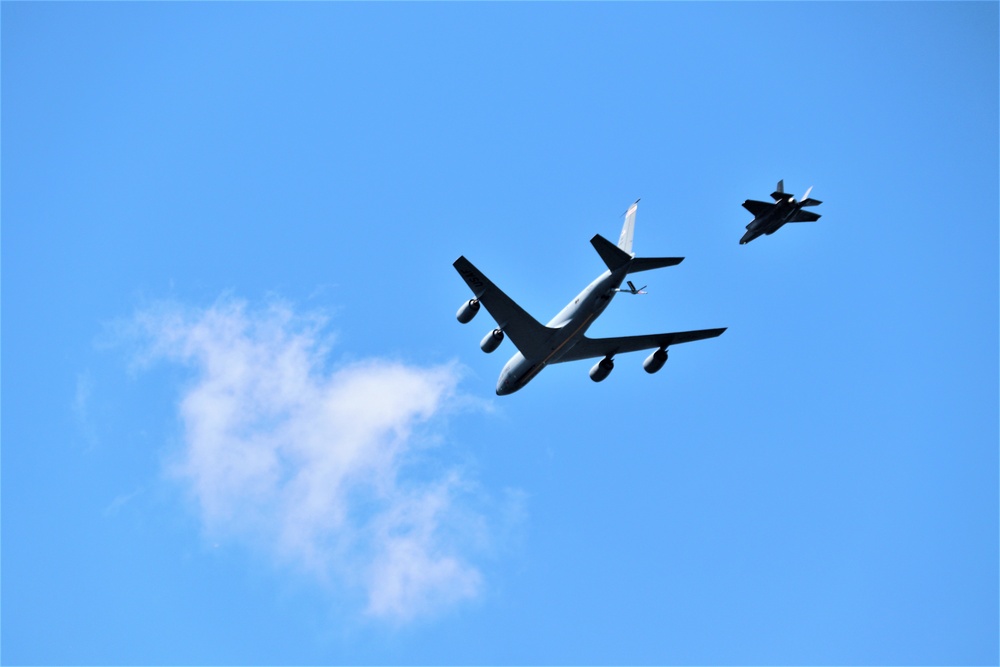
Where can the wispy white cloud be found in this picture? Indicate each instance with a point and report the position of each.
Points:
(81, 408)
(120, 501)
(318, 464)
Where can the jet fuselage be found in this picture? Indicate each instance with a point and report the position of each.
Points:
(771, 221)
(571, 323)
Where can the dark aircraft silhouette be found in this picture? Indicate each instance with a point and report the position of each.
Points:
(769, 218)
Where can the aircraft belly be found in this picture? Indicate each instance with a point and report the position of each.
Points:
(516, 380)
(532, 372)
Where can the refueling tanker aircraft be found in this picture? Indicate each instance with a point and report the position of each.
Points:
(769, 218)
(563, 339)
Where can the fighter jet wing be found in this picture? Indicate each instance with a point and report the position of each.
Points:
(591, 348)
(758, 208)
(805, 216)
(528, 334)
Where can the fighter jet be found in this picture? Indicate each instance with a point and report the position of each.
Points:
(769, 218)
(563, 339)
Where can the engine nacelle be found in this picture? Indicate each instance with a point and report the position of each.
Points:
(602, 369)
(655, 361)
(468, 311)
(492, 341)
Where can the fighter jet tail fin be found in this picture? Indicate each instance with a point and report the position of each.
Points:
(806, 201)
(779, 194)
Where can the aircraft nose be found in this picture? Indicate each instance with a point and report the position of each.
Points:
(505, 387)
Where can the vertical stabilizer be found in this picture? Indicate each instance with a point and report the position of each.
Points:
(628, 230)
(779, 194)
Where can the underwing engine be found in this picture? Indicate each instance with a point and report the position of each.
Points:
(602, 369)
(468, 311)
(655, 361)
(492, 341)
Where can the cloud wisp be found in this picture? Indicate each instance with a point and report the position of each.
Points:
(331, 471)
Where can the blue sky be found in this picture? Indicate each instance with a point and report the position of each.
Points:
(241, 424)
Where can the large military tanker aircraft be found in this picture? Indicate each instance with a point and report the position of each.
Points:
(563, 339)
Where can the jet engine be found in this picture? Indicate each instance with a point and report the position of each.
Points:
(492, 341)
(655, 361)
(468, 311)
(602, 369)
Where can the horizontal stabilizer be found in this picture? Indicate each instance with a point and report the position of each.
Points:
(612, 255)
(647, 263)
(810, 202)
